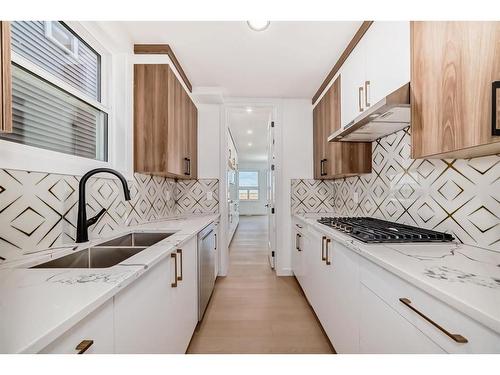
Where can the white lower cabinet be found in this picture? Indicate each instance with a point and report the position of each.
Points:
(341, 296)
(383, 330)
(158, 313)
(300, 243)
(92, 335)
(364, 308)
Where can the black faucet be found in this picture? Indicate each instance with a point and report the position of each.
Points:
(82, 233)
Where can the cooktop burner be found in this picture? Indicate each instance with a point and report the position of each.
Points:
(372, 230)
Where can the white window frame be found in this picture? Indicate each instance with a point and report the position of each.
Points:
(248, 188)
(23, 157)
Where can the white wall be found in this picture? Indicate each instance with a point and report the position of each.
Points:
(209, 141)
(255, 207)
(296, 162)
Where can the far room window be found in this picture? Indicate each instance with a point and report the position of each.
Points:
(248, 182)
(56, 91)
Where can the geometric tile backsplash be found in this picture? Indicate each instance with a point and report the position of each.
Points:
(458, 196)
(39, 210)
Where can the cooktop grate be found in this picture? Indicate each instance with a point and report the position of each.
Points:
(372, 230)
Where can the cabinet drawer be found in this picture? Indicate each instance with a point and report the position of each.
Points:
(98, 327)
(383, 331)
(391, 289)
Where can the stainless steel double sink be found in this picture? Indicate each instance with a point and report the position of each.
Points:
(107, 254)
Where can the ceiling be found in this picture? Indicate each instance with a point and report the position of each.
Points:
(240, 123)
(288, 60)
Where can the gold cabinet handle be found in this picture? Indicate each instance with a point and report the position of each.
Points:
(84, 346)
(327, 258)
(367, 86)
(360, 100)
(179, 251)
(454, 336)
(174, 284)
(323, 248)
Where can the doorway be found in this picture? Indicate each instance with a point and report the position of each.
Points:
(250, 171)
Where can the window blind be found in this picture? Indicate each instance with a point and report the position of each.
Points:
(47, 117)
(79, 68)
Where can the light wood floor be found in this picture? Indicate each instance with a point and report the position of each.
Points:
(254, 311)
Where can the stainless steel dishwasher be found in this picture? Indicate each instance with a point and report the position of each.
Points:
(207, 251)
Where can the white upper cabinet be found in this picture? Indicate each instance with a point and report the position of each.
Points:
(352, 82)
(387, 56)
(378, 65)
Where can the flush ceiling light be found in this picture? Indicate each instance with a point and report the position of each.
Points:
(258, 25)
(249, 110)
(249, 131)
(249, 144)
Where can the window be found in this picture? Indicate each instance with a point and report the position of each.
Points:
(56, 95)
(248, 182)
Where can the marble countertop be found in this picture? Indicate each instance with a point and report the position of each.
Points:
(463, 276)
(38, 305)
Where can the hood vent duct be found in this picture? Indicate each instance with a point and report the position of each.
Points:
(388, 116)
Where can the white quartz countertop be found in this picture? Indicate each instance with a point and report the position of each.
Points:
(465, 277)
(38, 305)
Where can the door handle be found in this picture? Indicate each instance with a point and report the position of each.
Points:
(174, 284)
(360, 100)
(84, 346)
(297, 241)
(215, 241)
(328, 241)
(367, 86)
(323, 239)
(179, 251)
(454, 336)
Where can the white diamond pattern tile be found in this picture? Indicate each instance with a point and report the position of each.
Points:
(39, 210)
(461, 197)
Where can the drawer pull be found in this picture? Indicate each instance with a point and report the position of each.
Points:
(84, 346)
(179, 251)
(327, 258)
(297, 241)
(454, 336)
(174, 284)
(323, 239)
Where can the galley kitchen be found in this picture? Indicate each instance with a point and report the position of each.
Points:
(206, 187)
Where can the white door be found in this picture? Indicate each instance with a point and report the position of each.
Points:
(271, 195)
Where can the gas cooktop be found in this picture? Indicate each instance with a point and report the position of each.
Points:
(372, 230)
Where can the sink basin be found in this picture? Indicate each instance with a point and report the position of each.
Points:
(94, 257)
(137, 239)
(108, 253)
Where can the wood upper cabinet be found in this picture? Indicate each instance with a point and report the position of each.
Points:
(336, 159)
(5, 79)
(453, 67)
(165, 124)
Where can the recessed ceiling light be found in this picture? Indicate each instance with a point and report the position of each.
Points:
(258, 25)
(249, 110)
(249, 144)
(249, 131)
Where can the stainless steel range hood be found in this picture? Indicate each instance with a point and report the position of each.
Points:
(389, 115)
